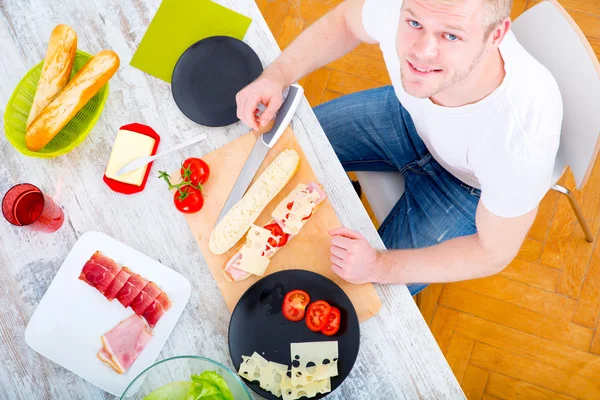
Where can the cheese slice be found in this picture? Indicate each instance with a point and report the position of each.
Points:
(269, 374)
(254, 252)
(313, 361)
(251, 367)
(128, 146)
(306, 381)
(272, 376)
(303, 204)
(290, 392)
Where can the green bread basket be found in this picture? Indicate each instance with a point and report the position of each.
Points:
(19, 105)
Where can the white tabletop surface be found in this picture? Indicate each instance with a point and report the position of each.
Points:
(398, 359)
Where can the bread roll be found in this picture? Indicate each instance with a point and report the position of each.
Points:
(84, 85)
(249, 257)
(242, 215)
(56, 70)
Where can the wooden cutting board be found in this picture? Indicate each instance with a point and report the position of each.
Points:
(309, 250)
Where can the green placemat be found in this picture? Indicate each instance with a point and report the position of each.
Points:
(176, 26)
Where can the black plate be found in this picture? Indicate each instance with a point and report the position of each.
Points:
(209, 74)
(257, 323)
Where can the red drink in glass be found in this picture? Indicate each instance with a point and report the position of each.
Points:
(26, 205)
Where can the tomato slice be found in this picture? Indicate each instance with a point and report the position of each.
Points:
(316, 315)
(332, 324)
(294, 304)
(277, 232)
(289, 207)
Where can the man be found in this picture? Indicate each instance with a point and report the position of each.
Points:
(472, 120)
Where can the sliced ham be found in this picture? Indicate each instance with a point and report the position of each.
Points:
(104, 356)
(117, 284)
(235, 274)
(232, 273)
(156, 310)
(100, 258)
(146, 297)
(131, 289)
(314, 186)
(99, 271)
(122, 345)
(280, 223)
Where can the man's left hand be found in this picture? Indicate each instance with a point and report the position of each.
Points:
(353, 258)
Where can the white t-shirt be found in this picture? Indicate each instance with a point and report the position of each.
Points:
(506, 143)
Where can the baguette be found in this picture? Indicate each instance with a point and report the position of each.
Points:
(56, 70)
(243, 214)
(84, 85)
(238, 268)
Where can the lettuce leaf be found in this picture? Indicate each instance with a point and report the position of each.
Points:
(209, 386)
(172, 391)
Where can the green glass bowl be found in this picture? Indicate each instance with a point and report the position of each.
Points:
(19, 105)
(181, 368)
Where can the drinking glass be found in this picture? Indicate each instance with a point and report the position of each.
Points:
(26, 205)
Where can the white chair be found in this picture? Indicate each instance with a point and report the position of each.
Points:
(551, 36)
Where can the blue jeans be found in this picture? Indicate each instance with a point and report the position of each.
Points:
(371, 131)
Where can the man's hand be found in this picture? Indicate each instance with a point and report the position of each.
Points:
(328, 39)
(466, 257)
(353, 258)
(266, 90)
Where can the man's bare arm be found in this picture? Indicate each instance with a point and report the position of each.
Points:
(485, 253)
(331, 37)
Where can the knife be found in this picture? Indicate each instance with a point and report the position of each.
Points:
(263, 144)
(141, 161)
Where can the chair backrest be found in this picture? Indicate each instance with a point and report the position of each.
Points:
(551, 36)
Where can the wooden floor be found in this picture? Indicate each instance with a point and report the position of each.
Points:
(530, 332)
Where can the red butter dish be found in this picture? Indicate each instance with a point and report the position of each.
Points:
(126, 188)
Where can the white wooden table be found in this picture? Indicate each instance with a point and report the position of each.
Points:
(398, 359)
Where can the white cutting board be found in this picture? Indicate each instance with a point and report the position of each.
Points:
(67, 324)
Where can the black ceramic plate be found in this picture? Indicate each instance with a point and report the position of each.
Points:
(209, 74)
(257, 323)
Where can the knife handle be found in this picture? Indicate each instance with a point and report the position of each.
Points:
(284, 115)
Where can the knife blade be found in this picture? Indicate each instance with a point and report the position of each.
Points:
(262, 146)
(141, 161)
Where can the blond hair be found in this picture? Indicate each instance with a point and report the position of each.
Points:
(497, 11)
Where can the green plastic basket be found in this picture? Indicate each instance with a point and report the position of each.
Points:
(19, 105)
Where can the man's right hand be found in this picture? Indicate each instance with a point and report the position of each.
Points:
(265, 90)
(332, 36)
